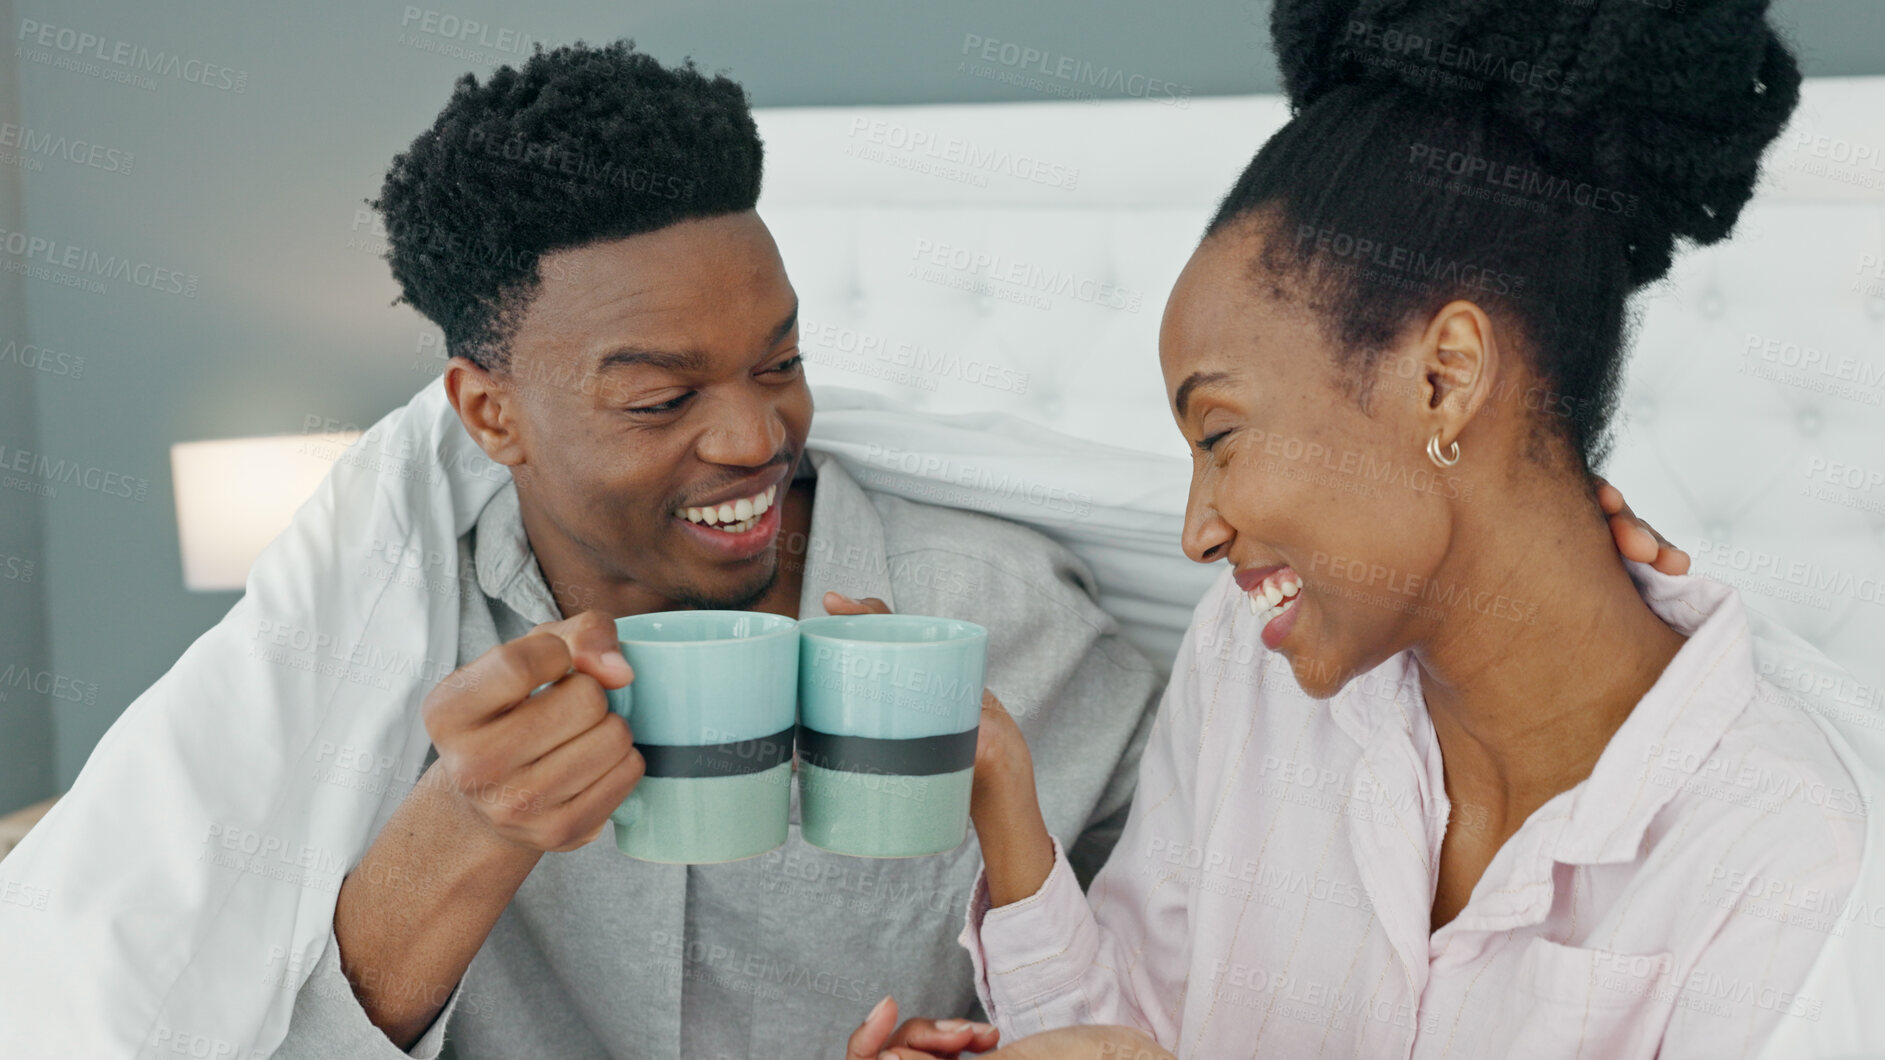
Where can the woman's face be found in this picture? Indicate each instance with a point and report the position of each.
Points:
(1291, 481)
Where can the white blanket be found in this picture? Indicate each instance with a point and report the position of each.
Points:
(173, 902)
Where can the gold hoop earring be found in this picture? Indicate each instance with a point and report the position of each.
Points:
(1433, 452)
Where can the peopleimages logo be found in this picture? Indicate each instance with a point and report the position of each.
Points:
(561, 160)
(956, 151)
(74, 46)
(34, 250)
(32, 143)
(1071, 77)
(465, 31)
(1523, 181)
(1366, 253)
(1434, 60)
(47, 683)
(41, 359)
(42, 474)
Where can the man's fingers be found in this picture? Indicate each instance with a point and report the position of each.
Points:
(1635, 538)
(569, 707)
(868, 1041)
(600, 799)
(1671, 560)
(1632, 539)
(571, 766)
(840, 604)
(1609, 498)
(496, 680)
(1643, 543)
(593, 647)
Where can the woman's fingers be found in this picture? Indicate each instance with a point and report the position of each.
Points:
(1086, 1041)
(871, 1036)
(840, 604)
(945, 1037)
(999, 745)
(918, 1039)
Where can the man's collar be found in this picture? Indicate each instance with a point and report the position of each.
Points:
(507, 568)
(845, 551)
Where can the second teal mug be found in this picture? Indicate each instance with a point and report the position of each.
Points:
(889, 708)
(712, 710)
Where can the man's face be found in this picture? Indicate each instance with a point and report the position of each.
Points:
(660, 408)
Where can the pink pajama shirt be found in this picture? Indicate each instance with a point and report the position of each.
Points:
(1271, 894)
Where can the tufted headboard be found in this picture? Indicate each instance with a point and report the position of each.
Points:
(1016, 257)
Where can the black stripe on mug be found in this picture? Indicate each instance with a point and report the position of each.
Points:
(924, 756)
(717, 759)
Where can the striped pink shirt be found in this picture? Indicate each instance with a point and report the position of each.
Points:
(1271, 894)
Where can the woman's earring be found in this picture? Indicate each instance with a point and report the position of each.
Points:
(1433, 452)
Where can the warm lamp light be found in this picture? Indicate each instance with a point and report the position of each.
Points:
(235, 495)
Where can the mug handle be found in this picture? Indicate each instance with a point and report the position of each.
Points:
(621, 702)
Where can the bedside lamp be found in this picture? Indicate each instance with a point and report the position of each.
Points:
(234, 495)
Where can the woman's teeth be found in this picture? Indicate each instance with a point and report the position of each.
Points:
(733, 517)
(1277, 594)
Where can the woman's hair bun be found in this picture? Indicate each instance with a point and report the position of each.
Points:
(1672, 101)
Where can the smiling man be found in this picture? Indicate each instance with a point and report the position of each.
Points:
(624, 339)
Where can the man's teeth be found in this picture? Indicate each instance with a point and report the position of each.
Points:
(734, 517)
(1276, 595)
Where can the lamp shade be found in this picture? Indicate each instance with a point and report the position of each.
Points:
(235, 494)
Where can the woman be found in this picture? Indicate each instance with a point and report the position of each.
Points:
(1436, 774)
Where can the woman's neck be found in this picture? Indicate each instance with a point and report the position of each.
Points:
(1525, 697)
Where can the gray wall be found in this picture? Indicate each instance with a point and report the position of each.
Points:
(253, 193)
(26, 732)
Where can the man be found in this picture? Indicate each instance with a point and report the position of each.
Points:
(624, 339)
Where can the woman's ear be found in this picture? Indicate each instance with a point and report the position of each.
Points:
(1459, 359)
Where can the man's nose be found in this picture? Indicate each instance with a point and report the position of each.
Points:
(747, 432)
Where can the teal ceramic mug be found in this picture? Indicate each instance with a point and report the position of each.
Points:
(889, 706)
(712, 710)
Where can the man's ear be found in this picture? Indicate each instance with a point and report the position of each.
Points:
(1459, 363)
(486, 405)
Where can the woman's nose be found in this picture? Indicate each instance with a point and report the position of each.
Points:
(1207, 536)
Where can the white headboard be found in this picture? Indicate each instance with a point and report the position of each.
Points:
(1017, 257)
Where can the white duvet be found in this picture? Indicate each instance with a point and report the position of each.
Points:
(174, 900)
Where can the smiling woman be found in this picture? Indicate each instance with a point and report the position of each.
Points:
(1421, 283)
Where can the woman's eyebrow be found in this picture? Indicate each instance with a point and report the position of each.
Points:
(1193, 382)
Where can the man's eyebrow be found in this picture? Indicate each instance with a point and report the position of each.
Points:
(1193, 382)
(785, 326)
(672, 360)
(683, 360)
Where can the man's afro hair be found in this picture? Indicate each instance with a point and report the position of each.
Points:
(581, 145)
